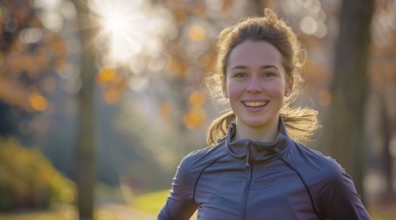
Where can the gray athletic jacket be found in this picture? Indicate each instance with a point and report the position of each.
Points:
(249, 180)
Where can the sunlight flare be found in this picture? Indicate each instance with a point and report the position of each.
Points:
(126, 27)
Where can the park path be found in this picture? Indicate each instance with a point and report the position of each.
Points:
(109, 211)
(122, 212)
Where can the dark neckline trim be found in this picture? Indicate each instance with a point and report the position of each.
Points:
(257, 150)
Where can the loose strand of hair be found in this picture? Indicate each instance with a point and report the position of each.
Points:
(218, 128)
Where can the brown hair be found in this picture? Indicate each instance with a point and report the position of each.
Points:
(301, 123)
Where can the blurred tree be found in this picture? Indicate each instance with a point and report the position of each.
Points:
(345, 137)
(23, 66)
(381, 112)
(86, 150)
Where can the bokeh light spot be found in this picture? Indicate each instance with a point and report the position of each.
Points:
(197, 33)
(30, 35)
(325, 98)
(37, 101)
(194, 118)
(106, 74)
(196, 99)
(308, 25)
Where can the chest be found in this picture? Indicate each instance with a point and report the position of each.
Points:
(261, 191)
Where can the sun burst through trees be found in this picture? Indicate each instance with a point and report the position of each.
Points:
(127, 28)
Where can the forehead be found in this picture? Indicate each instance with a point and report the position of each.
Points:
(254, 54)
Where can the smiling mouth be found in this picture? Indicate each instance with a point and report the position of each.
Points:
(255, 104)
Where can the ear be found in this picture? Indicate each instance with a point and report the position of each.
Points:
(225, 93)
(224, 87)
(289, 87)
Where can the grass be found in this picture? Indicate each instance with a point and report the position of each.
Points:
(147, 203)
(63, 212)
(151, 202)
(383, 212)
(68, 212)
(389, 216)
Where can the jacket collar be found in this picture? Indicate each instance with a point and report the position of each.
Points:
(257, 151)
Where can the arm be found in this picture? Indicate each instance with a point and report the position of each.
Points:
(339, 199)
(180, 204)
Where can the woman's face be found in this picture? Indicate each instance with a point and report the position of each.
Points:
(256, 84)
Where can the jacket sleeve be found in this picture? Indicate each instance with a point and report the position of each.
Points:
(339, 199)
(180, 203)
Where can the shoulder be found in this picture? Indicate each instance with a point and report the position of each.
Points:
(314, 164)
(196, 161)
(332, 189)
(321, 173)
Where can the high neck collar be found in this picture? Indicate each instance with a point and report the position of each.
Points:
(257, 151)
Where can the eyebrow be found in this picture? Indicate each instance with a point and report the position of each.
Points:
(261, 67)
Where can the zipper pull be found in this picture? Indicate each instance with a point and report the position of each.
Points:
(247, 164)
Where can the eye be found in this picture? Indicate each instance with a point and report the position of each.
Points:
(269, 74)
(240, 75)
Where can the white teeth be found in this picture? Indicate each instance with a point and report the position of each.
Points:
(255, 104)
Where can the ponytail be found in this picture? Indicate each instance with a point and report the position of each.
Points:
(301, 123)
(218, 127)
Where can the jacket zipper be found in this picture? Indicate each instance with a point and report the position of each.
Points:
(248, 168)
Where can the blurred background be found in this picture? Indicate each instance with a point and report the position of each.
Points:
(101, 99)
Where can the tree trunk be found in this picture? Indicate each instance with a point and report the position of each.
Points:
(345, 135)
(386, 130)
(85, 151)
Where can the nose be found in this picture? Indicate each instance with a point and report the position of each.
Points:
(254, 85)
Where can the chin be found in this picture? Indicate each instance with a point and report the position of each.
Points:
(258, 123)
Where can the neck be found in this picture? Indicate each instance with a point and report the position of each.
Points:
(265, 133)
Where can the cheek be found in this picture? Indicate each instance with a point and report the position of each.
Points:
(234, 90)
(276, 89)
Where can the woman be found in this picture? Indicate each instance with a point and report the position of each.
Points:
(255, 168)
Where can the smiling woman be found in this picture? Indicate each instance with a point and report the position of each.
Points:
(252, 167)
